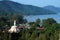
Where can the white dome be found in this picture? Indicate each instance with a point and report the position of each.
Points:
(14, 29)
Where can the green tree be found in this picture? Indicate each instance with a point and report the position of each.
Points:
(48, 22)
(3, 21)
(38, 21)
(12, 17)
(25, 21)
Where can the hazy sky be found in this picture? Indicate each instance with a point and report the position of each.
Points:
(40, 3)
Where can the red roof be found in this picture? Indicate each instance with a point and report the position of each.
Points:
(20, 27)
(41, 28)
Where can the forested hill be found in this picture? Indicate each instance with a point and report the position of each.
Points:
(7, 7)
(53, 8)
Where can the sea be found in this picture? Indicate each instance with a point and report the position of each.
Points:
(32, 18)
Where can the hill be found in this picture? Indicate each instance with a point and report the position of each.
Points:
(7, 7)
(53, 8)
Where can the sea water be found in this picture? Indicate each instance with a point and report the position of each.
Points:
(32, 18)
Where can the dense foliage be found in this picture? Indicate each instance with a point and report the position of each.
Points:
(9, 19)
(50, 32)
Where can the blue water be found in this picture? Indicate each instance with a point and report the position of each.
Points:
(32, 18)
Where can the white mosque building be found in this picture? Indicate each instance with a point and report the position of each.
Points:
(14, 28)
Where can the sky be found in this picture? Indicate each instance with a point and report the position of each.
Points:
(39, 3)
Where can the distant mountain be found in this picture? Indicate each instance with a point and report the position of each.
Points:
(53, 8)
(13, 7)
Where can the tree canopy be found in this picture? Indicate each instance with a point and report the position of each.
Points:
(48, 22)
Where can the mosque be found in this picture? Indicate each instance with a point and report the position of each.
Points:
(14, 28)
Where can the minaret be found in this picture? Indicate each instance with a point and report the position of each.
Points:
(14, 22)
